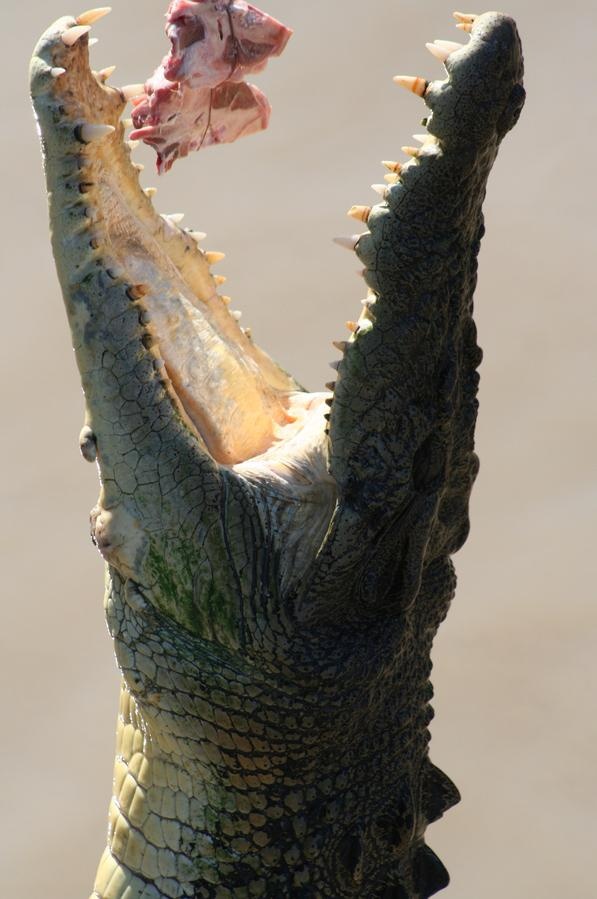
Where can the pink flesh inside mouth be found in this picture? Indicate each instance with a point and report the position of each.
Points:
(197, 96)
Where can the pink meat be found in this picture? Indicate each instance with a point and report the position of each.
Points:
(197, 96)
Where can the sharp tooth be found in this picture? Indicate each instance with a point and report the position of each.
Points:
(380, 189)
(465, 26)
(335, 365)
(331, 385)
(133, 144)
(91, 16)
(451, 46)
(367, 302)
(422, 138)
(361, 213)
(57, 71)
(226, 300)
(139, 166)
(466, 17)
(328, 401)
(411, 151)
(212, 258)
(391, 178)
(90, 132)
(248, 333)
(438, 52)
(127, 123)
(197, 236)
(392, 166)
(412, 83)
(175, 217)
(348, 242)
(106, 73)
(340, 345)
(352, 327)
(150, 192)
(219, 280)
(70, 37)
(93, 41)
(132, 90)
(236, 314)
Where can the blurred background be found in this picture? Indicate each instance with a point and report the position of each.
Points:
(515, 662)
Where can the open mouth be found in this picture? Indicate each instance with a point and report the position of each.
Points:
(239, 404)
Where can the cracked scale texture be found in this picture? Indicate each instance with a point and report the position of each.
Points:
(273, 591)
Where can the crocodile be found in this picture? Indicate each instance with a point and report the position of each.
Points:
(278, 562)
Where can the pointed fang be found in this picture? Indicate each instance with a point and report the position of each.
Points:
(175, 217)
(106, 73)
(219, 280)
(392, 166)
(197, 236)
(150, 192)
(466, 17)
(465, 26)
(361, 213)
(411, 151)
(412, 83)
(133, 144)
(348, 242)
(70, 37)
(129, 91)
(90, 132)
(352, 327)
(391, 178)
(93, 15)
(438, 52)
(212, 258)
(451, 46)
(57, 71)
(335, 365)
(331, 385)
(381, 189)
(340, 345)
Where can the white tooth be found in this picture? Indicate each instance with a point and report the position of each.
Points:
(335, 365)
(176, 217)
(380, 189)
(133, 144)
(127, 123)
(139, 166)
(348, 242)
(237, 315)
(450, 46)
(197, 236)
(70, 37)
(132, 90)
(422, 138)
(57, 71)
(91, 132)
(150, 192)
(412, 83)
(93, 41)
(106, 73)
(91, 16)
(438, 52)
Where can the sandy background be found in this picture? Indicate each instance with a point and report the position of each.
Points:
(514, 664)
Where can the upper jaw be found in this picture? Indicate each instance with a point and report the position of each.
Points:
(238, 402)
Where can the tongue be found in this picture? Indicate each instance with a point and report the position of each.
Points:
(197, 96)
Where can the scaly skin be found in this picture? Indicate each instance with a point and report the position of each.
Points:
(274, 582)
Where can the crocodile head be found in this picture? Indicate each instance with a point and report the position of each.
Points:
(278, 560)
